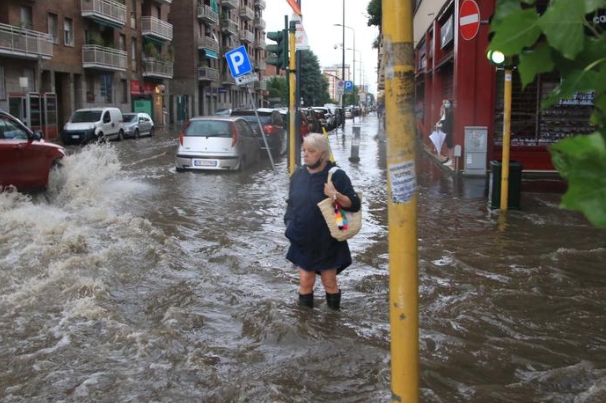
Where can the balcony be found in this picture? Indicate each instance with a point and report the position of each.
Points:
(259, 23)
(246, 14)
(207, 14)
(100, 57)
(208, 43)
(25, 43)
(228, 79)
(261, 85)
(231, 4)
(229, 26)
(153, 67)
(260, 4)
(105, 12)
(208, 74)
(247, 36)
(156, 28)
(260, 43)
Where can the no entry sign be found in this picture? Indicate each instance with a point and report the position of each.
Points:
(469, 19)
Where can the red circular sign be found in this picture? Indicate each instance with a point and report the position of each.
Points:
(469, 19)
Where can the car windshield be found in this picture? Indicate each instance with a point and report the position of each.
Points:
(86, 116)
(208, 128)
(129, 117)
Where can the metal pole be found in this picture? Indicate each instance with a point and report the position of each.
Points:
(402, 199)
(343, 70)
(506, 140)
(292, 77)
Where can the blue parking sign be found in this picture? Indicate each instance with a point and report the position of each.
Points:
(348, 86)
(238, 61)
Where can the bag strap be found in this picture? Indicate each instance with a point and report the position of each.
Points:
(330, 172)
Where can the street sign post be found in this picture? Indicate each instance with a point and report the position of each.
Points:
(340, 87)
(469, 19)
(246, 79)
(238, 61)
(349, 86)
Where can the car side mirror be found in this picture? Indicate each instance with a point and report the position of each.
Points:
(37, 135)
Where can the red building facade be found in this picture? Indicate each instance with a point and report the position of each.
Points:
(451, 65)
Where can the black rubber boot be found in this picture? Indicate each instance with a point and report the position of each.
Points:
(306, 300)
(334, 301)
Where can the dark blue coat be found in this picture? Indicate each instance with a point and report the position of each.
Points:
(311, 246)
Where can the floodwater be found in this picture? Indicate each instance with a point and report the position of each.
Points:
(129, 282)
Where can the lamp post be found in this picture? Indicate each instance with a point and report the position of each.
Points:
(353, 31)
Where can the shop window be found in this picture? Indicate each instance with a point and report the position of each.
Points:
(106, 88)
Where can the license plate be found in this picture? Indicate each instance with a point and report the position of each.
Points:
(75, 136)
(205, 163)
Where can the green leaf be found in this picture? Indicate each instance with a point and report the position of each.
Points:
(535, 62)
(503, 9)
(579, 80)
(593, 5)
(515, 32)
(563, 25)
(581, 161)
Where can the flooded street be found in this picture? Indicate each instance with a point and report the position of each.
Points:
(130, 282)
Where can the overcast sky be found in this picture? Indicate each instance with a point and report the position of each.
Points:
(319, 17)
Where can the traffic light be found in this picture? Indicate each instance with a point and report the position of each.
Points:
(279, 49)
(499, 59)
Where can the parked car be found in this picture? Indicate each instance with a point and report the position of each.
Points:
(93, 125)
(273, 127)
(217, 143)
(25, 159)
(223, 112)
(138, 124)
(324, 116)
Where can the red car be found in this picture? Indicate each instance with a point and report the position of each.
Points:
(25, 159)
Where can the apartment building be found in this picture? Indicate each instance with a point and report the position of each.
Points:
(208, 29)
(60, 55)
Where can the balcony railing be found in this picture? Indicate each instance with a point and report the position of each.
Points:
(153, 67)
(26, 43)
(206, 42)
(260, 4)
(106, 11)
(247, 36)
(229, 26)
(153, 26)
(247, 14)
(208, 74)
(260, 43)
(261, 85)
(100, 57)
(230, 3)
(207, 14)
(259, 23)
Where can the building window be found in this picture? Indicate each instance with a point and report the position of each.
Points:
(68, 32)
(2, 86)
(26, 17)
(133, 53)
(90, 89)
(106, 88)
(122, 42)
(53, 25)
(124, 90)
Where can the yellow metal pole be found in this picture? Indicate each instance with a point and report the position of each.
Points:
(292, 75)
(506, 140)
(402, 199)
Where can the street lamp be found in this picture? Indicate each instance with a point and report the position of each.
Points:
(353, 31)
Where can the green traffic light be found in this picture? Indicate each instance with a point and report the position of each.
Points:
(496, 57)
(279, 51)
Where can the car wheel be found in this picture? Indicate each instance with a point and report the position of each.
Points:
(151, 132)
(55, 180)
(136, 134)
(101, 138)
(120, 135)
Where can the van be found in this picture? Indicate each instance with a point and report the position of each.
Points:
(93, 125)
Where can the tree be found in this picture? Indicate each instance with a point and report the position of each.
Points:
(375, 13)
(277, 88)
(564, 38)
(314, 87)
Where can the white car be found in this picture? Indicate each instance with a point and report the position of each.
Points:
(138, 124)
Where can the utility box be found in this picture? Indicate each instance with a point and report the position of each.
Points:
(514, 185)
(476, 139)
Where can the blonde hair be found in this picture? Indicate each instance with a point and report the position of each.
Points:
(317, 141)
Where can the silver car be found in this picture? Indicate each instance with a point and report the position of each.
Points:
(138, 124)
(217, 142)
